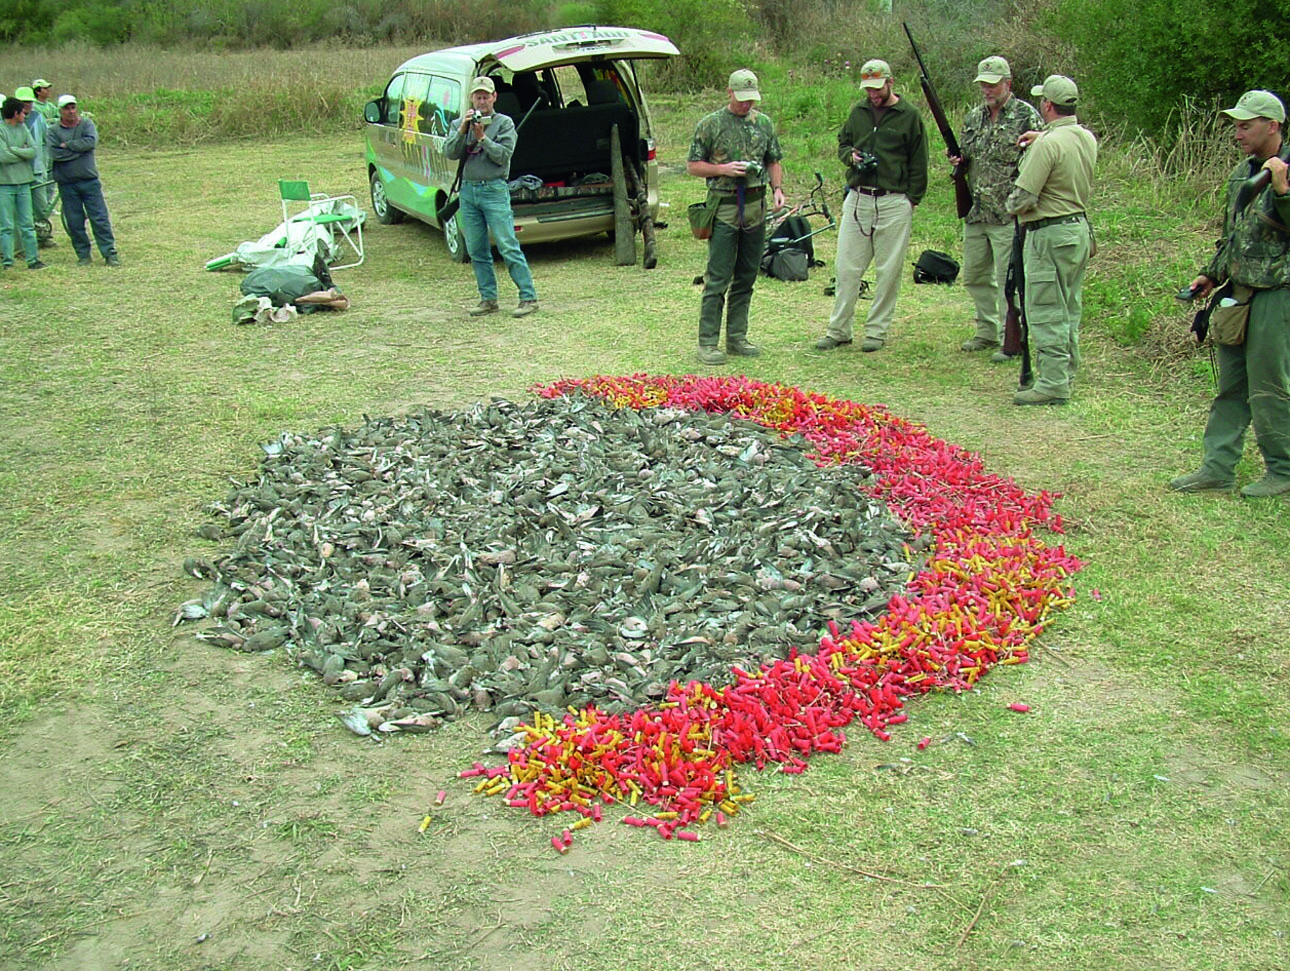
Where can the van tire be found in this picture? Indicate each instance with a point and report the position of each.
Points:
(386, 214)
(456, 240)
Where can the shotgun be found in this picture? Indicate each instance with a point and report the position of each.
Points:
(962, 194)
(1256, 183)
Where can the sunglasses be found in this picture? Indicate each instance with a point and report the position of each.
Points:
(871, 75)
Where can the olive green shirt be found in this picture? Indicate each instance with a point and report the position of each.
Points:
(1057, 169)
(898, 139)
(1255, 248)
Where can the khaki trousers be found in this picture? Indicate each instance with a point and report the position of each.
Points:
(987, 248)
(871, 230)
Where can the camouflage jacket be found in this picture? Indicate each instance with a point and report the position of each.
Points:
(725, 137)
(1255, 247)
(993, 156)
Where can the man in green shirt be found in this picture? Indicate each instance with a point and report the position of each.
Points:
(1254, 256)
(735, 149)
(1050, 201)
(883, 145)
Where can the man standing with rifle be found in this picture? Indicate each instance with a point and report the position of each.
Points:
(883, 145)
(1253, 259)
(991, 133)
(1054, 184)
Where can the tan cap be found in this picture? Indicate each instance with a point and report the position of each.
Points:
(743, 85)
(483, 84)
(993, 70)
(1058, 89)
(1256, 104)
(874, 74)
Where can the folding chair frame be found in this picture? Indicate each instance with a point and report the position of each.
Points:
(317, 211)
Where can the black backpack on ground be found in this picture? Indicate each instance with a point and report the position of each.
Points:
(790, 251)
(935, 267)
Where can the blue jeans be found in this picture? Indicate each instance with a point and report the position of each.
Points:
(15, 215)
(485, 207)
(83, 199)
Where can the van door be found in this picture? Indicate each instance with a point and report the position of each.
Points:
(411, 153)
(444, 103)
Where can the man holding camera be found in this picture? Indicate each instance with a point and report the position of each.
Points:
(1254, 375)
(1050, 201)
(991, 134)
(736, 150)
(487, 141)
(884, 148)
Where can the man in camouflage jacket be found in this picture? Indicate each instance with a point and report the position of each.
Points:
(736, 150)
(1254, 256)
(990, 142)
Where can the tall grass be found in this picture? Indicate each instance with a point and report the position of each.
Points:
(149, 96)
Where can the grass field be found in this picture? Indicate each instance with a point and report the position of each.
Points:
(165, 804)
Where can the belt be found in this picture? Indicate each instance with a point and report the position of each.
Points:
(1077, 217)
(876, 193)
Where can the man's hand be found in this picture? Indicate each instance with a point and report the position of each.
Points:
(1202, 285)
(1280, 180)
(736, 169)
(1026, 138)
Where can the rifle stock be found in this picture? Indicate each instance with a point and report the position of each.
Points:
(962, 193)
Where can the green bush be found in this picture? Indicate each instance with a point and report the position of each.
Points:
(1138, 59)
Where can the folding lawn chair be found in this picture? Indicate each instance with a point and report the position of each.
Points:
(320, 210)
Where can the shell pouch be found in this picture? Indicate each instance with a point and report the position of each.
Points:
(1228, 320)
(702, 216)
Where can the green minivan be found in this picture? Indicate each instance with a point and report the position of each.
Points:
(566, 90)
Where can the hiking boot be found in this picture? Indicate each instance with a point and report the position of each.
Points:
(1032, 397)
(1002, 357)
(1268, 486)
(525, 308)
(742, 349)
(485, 307)
(112, 260)
(84, 261)
(978, 344)
(711, 354)
(1201, 481)
(871, 344)
(827, 343)
(36, 265)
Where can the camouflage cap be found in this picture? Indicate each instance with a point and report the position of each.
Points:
(1257, 104)
(1058, 89)
(993, 70)
(874, 74)
(743, 85)
(483, 84)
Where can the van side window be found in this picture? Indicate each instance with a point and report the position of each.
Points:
(415, 89)
(443, 106)
(392, 103)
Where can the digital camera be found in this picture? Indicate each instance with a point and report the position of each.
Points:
(866, 162)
